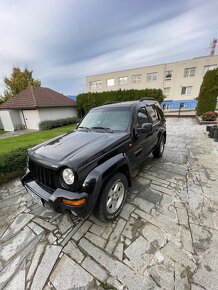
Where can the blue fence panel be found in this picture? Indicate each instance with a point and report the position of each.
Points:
(175, 104)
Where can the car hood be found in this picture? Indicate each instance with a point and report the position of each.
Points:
(78, 147)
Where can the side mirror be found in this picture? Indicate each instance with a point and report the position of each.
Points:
(146, 128)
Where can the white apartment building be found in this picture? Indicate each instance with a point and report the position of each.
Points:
(179, 80)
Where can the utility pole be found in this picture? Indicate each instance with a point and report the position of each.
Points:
(213, 46)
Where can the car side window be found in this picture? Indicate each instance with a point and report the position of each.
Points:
(142, 118)
(153, 113)
(160, 112)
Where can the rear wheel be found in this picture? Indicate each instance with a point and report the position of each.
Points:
(158, 152)
(112, 198)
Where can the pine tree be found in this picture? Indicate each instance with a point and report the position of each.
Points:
(208, 93)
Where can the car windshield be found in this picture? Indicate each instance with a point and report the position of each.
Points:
(115, 119)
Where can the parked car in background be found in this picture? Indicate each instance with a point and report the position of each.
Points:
(90, 168)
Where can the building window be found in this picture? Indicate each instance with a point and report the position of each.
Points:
(152, 77)
(123, 80)
(110, 82)
(186, 90)
(209, 67)
(136, 79)
(168, 75)
(189, 72)
(167, 91)
(95, 85)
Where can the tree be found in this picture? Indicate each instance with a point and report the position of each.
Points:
(208, 93)
(1, 99)
(18, 81)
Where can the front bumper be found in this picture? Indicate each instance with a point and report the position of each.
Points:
(55, 198)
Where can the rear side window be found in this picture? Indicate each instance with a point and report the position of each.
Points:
(160, 112)
(153, 113)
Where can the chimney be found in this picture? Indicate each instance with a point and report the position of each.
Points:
(213, 46)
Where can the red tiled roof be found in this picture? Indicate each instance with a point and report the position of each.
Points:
(37, 97)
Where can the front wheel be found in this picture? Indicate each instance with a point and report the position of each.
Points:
(112, 198)
(158, 152)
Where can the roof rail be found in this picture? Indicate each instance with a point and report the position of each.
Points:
(108, 103)
(147, 99)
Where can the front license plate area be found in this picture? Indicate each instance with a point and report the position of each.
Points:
(35, 197)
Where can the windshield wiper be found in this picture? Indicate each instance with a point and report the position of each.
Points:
(103, 128)
(85, 128)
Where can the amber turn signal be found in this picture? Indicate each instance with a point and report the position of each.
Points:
(74, 202)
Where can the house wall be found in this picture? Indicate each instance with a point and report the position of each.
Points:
(1, 125)
(10, 120)
(22, 118)
(6, 120)
(15, 118)
(57, 113)
(174, 85)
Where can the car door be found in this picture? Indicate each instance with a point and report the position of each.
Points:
(142, 140)
(156, 122)
(146, 138)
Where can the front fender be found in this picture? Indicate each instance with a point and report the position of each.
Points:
(95, 179)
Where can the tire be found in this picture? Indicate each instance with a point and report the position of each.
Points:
(108, 211)
(158, 152)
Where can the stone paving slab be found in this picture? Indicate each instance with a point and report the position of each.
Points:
(165, 238)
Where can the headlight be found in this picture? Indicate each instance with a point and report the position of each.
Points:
(68, 176)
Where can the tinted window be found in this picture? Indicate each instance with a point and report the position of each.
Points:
(153, 113)
(160, 112)
(142, 118)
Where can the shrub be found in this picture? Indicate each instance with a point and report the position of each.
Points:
(13, 161)
(208, 93)
(209, 116)
(87, 101)
(46, 125)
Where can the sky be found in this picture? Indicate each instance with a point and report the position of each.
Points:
(63, 41)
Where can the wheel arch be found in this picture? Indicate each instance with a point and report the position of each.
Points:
(165, 135)
(161, 133)
(98, 177)
(126, 171)
(102, 209)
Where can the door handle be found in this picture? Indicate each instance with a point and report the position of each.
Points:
(138, 152)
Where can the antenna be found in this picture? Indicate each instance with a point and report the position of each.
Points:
(213, 46)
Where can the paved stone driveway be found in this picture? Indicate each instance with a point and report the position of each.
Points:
(165, 238)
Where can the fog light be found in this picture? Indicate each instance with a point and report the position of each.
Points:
(74, 202)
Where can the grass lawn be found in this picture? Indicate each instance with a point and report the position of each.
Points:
(12, 143)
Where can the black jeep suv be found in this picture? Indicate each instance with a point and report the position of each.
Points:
(90, 168)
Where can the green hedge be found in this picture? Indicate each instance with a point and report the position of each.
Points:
(208, 93)
(87, 101)
(13, 161)
(46, 125)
